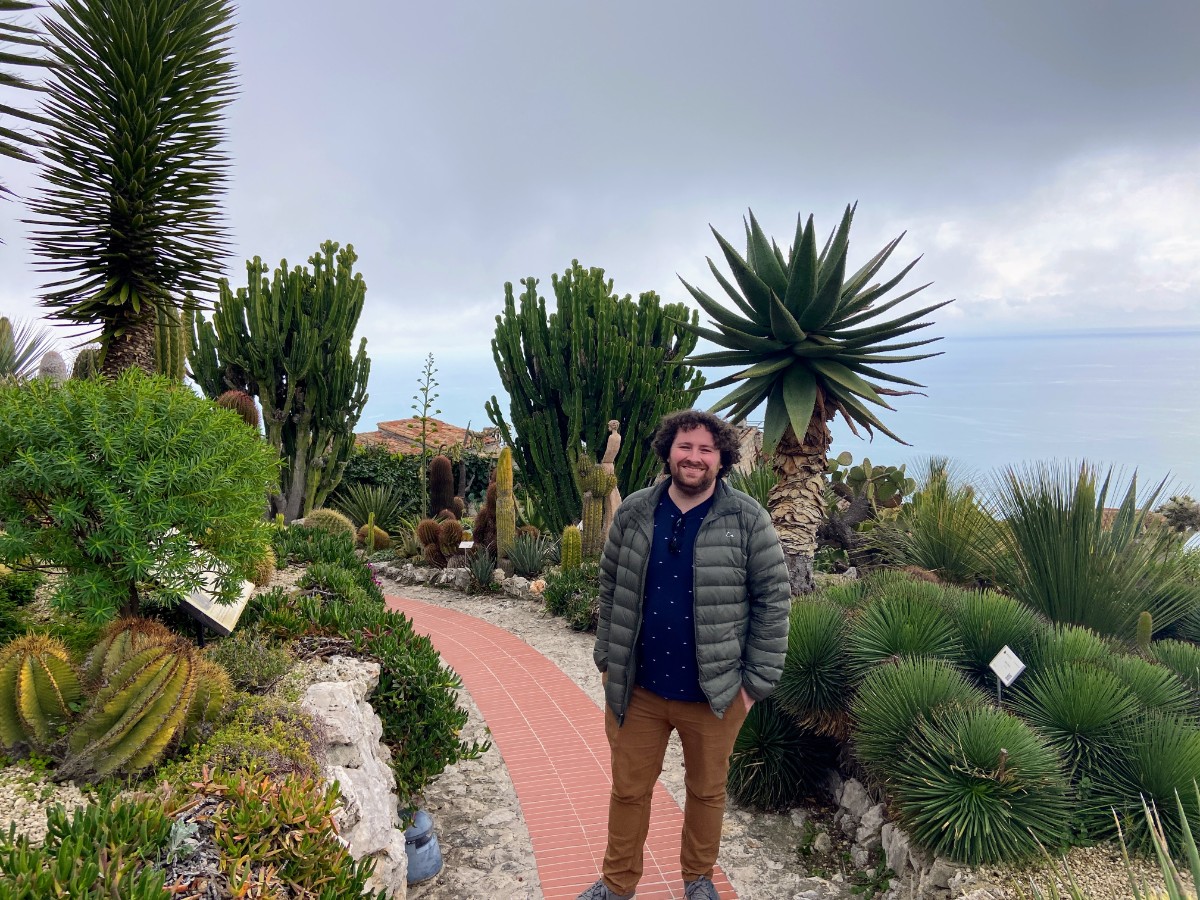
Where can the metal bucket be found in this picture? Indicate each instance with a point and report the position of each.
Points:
(421, 848)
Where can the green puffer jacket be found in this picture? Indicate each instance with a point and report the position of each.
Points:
(740, 589)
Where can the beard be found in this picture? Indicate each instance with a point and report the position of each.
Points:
(692, 480)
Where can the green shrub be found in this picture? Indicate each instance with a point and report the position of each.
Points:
(775, 763)
(101, 850)
(977, 785)
(253, 660)
(1163, 762)
(815, 685)
(1183, 659)
(985, 622)
(1155, 687)
(905, 623)
(265, 735)
(288, 822)
(848, 594)
(375, 465)
(333, 582)
(1063, 557)
(300, 545)
(18, 588)
(574, 595)
(129, 485)
(894, 700)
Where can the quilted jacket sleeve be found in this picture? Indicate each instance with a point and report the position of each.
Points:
(770, 603)
(608, 582)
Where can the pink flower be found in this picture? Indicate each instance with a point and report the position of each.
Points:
(538, 585)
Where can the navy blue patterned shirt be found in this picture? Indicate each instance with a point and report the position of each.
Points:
(667, 644)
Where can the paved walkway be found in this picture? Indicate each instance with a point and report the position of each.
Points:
(551, 736)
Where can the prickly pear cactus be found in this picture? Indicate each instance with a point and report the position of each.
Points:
(884, 486)
(572, 548)
(38, 686)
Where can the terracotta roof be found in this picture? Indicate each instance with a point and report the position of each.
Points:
(404, 436)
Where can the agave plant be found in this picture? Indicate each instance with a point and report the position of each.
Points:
(21, 348)
(815, 684)
(806, 338)
(775, 763)
(1156, 688)
(129, 222)
(986, 622)
(901, 625)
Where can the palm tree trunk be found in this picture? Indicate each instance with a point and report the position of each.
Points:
(132, 350)
(797, 501)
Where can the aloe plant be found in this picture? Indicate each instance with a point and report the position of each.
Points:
(806, 338)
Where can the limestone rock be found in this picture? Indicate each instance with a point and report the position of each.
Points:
(369, 820)
(854, 799)
(869, 826)
(458, 579)
(516, 586)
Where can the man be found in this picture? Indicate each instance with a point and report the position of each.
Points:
(694, 601)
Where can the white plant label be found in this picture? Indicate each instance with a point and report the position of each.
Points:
(1007, 666)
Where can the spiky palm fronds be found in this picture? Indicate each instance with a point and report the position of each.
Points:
(129, 221)
(894, 699)
(986, 622)
(775, 763)
(359, 500)
(1156, 687)
(1164, 762)
(977, 785)
(21, 348)
(902, 625)
(1065, 558)
(21, 45)
(1065, 645)
(1182, 658)
(815, 685)
(757, 482)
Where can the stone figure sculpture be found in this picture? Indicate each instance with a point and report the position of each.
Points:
(608, 463)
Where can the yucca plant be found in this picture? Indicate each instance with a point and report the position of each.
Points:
(1183, 659)
(944, 528)
(1066, 558)
(21, 345)
(528, 555)
(806, 338)
(883, 583)
(359, 500)
(902, 625)
(847, 595)
(776, 763)
(1066, 644)
(894, 699)
(757, 482)
(977, 785)
(129, 222)
(985, 622)
(1163, 762)
(1155, 687)
(815, 685)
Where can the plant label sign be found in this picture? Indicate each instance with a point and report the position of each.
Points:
(1007, 666)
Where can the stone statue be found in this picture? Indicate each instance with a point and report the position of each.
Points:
(608, 463)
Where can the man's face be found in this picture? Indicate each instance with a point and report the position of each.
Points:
(694, 461)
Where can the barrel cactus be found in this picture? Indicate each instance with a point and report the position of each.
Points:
(572, 548)
(242, 404)
(38, 686)
(330, 520)
(121, 640)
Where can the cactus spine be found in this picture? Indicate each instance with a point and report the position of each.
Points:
(136, 715)
(595, 484)
(572, 548)
(286, 340)
(121, 640)
(441, 484)
(213, 689)
(506, 505)
(38, 684)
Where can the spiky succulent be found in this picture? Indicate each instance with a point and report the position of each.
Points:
(803, 331)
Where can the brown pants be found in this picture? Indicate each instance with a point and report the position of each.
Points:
(638, 747)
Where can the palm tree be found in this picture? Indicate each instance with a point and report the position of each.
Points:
(17, 37)
(134, 168)
(807, 339)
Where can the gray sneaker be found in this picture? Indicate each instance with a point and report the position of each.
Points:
(700, 889)
(600, 891)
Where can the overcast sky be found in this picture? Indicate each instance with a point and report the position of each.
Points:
(1043, 156)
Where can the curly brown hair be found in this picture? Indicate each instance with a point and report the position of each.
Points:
(725, 436)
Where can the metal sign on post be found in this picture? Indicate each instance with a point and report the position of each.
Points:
(1008, 667)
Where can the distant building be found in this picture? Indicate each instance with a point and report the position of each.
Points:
(403, 436)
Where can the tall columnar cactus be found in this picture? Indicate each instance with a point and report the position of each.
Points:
(441, 484)
(597, 357)
(38, 684)
(138, 712)
(53, 367)
(506, 504)
(595, 485)
(572, 548)
(242, 404)
(287, 342)
(172, 333)
(1144, 632)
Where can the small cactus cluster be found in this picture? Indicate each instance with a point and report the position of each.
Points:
(172, 340)
(439, 539)
(152, 691)
(506, 504)
(242, 404)
(330, 520)
(595, 484)
(884, 486)
(572, 548)
(38, 687)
